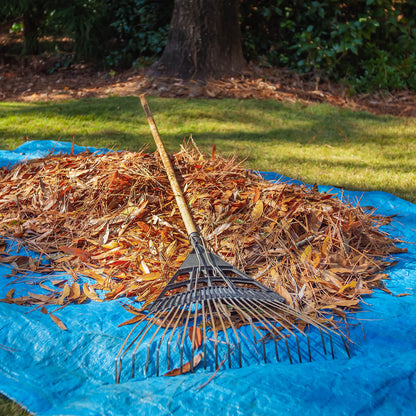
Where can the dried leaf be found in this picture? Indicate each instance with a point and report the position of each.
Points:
(77, 252)
(186, 367)
(58, 322)
(257, 211)
(132, 320)
(64, 294)
(307, 254)
(195, 334)
(90, 293)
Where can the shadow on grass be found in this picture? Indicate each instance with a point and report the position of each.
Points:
(266, 133)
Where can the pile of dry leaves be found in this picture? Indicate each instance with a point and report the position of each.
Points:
(112, 217)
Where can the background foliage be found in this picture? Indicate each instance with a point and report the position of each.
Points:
(370, 44)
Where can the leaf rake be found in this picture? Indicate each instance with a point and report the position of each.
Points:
(210, 306)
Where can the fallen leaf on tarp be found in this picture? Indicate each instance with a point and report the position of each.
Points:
(196, 332)
(58, 322)
(90, 293)
(132, 320)
(186, 368)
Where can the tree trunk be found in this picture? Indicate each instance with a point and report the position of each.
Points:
(31, 22)
(204, 40)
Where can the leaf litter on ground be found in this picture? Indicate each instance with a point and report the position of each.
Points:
(112, 218)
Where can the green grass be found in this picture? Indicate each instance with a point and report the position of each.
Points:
(10, 408)
(318, 143)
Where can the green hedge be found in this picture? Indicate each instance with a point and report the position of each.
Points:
(370, 44)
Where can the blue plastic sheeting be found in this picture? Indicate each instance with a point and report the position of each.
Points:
(56, 372)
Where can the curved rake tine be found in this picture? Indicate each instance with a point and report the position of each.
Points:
(273, 330)
(320, 327)
(120, 355)
(159, 326)
(204, 329)
(173, 312)
(182, 310)
(235, 334)
(145, 331)
(267, 324)
(248, 318)
(214, 329)
(225, 334)
(184, 335)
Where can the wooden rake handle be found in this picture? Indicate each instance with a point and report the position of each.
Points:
(177, 191)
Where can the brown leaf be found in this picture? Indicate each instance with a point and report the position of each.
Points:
(186, 367)
(75, 292)
(64, 294)
(77, 252)
(257, 210)
(90, 293)
(133, 320)
(58, 322)
(195, 334)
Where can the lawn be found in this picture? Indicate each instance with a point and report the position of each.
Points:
(317, 143)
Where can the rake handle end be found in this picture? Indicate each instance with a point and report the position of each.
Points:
(177, 191)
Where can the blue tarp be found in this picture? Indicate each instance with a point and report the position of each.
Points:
(56, 372)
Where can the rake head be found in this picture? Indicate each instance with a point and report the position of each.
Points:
(211, 310)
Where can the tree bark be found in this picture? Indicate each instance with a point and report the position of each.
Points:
(31, 22)
(204, 40)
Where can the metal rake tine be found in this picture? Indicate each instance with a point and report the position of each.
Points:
(225, 334)
(249, 319)
(173, 310)
(321, 328)
(120, 355)
(144, 332)
(231, 301)
(235, 334)
(151, 340)
(182, 310)
(214, 329)
(268, 312)
(184, 334)
(193, 337)
(205, 334)
(268, 325)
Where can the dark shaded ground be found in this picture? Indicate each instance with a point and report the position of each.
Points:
(51, 76)
(37, 79)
